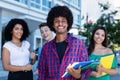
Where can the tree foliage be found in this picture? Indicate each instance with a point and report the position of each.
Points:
(107, 20)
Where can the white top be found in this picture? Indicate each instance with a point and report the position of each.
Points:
(19, 56)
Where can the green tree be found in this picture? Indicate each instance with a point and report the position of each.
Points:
(107, 20)
(87, 31)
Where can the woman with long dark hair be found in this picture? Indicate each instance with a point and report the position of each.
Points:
(98, 49)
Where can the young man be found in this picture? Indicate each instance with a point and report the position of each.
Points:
(47, 35)
(63, 50)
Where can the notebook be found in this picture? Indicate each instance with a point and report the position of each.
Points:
(84, 65)
(106, 62)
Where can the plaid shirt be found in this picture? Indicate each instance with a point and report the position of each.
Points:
(49, 64)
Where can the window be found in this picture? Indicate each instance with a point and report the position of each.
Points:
(23, 1)
(79, 18)
(75, 2)
(46, 5)
(17, 0)
(79, 3)
(35, 4)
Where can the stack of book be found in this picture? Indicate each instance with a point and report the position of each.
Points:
(105, 61)
(84, 65)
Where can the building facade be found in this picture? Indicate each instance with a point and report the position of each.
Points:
(35, 12)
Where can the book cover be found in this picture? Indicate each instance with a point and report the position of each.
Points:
(84, 65)
(106, 62)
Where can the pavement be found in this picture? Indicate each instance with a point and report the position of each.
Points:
(3, 74)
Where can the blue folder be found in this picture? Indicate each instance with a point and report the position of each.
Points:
(84, 65)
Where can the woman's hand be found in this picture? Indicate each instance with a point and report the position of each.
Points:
(95, 74)
(75, 73)
(27, 67)
(100, 69)
(32, 55)
(98, 72)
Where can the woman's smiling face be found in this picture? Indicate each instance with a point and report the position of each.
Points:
(99, 36)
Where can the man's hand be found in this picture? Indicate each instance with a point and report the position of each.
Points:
(75, 73)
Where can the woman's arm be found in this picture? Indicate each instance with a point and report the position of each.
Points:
(108, 71)
(95, 74)
(8, 67)
(33, 57)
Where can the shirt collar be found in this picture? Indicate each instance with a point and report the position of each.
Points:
(68, 39)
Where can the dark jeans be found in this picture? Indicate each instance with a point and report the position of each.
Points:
(20, 75)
